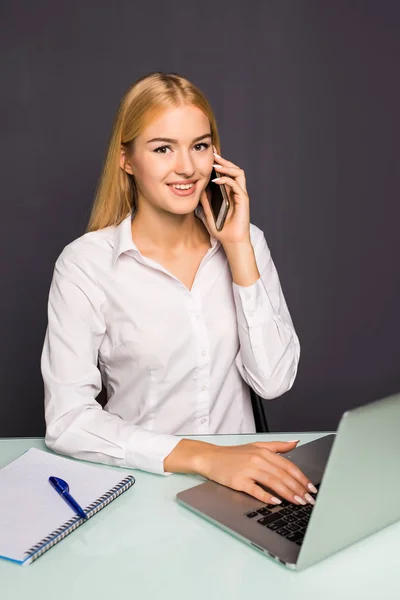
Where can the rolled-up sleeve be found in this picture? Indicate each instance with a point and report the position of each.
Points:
(76, 424)
(269, 347)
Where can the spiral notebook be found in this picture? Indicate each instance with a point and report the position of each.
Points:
(33, 517)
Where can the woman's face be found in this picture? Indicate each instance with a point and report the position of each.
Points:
(186, 157)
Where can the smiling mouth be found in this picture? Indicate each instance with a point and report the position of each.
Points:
(182, 186)
(185, 191)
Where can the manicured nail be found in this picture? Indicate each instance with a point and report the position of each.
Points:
(216, 179)
(300, 500)
(217, 155)
(312, 488)
(309, 498)
(216, 166)
(292, 441)
(275, 500)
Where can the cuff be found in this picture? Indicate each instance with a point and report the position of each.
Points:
(254, 302)
(147, 450)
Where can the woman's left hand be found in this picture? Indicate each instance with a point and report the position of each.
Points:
(237, 224)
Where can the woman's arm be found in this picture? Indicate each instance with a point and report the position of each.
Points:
(269, 347)
(245, 468)
(76, 424)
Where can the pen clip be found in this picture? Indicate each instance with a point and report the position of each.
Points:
(59, 484)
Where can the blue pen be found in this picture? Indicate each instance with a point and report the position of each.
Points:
(62, 488)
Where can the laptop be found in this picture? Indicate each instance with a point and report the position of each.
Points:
(357, 474)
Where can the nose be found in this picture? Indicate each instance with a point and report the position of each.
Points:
(184, 164)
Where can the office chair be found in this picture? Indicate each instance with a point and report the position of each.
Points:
(258, 409)
(259, 413)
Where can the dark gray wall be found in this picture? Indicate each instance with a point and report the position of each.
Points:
(306, 96)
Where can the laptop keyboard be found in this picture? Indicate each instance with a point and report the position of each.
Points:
(287, 519)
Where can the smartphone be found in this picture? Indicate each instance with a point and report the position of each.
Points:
(218, 199)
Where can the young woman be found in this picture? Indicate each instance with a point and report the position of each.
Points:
(176, 318)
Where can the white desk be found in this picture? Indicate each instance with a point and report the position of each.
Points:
(145, 545)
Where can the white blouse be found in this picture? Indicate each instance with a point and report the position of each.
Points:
(173, 361)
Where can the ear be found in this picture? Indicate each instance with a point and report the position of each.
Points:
(124, 162)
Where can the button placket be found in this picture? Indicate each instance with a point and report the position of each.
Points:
(202, 404)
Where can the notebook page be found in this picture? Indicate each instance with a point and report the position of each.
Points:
(30, 509)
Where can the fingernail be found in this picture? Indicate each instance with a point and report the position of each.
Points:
(216, 179)
(309, 498)
(300, 500)
(217, 155)
(216, 166)
(275, 500)
(312, 488)
(292, 441)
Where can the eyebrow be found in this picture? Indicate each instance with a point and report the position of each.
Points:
(171, 141)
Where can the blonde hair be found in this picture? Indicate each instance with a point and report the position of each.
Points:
(116, 192)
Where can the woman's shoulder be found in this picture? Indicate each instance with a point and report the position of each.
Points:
(91, 247)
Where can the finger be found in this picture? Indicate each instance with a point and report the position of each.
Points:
(295, 473)
(256, 491)
(227, 169)
(224, 161)
(290, 476)
(235, 172)
(232, 183)
(289, 482)
(277, 446)
(289, 473)
(270, 472)
(283, 487)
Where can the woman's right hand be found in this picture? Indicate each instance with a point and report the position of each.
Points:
(245, 467)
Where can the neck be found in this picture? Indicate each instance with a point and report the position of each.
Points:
(168, 233)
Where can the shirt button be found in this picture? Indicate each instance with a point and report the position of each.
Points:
(203, 352)
(203, 421)
(197, 317)
(204, 387)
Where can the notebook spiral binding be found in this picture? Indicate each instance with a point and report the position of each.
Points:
(58, 534)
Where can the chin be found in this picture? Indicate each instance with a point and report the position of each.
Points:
(183, 206)
(183, 210)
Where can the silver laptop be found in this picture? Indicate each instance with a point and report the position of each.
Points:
(357, 473)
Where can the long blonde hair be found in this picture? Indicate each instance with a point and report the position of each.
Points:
(116, 192)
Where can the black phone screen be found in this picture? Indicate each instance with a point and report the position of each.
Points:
(216, 198)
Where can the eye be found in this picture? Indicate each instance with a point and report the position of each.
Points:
(161, 148)
(203, 144)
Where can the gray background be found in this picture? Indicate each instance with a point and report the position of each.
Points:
(306, 95)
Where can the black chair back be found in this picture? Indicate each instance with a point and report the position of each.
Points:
(259, 412)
